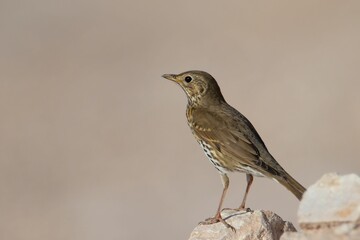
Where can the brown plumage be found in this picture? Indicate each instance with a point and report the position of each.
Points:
(227, 137)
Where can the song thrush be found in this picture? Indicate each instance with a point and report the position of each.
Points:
(227, 137)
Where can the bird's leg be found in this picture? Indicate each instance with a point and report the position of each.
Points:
(217, 217)
(249, 179)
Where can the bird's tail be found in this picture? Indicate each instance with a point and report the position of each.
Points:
(292, 185)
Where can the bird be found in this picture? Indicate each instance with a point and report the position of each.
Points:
(228, 138)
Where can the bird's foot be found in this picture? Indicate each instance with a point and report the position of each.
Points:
(217, 219)
(240, 209)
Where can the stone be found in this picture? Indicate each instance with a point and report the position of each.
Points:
(330, 209)
(331, 201)
(320, 234)
(257, 224)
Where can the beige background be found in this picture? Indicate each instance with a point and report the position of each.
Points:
(94, 143)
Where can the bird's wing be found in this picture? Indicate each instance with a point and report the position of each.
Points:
(232, 140)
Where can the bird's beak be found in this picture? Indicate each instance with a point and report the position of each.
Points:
(171, 77)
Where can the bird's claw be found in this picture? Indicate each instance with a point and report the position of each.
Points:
(217, 219)
(240, 209)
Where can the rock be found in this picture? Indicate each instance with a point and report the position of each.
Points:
(258, 224)
(331, 200)
(321, 234)
(330, 209)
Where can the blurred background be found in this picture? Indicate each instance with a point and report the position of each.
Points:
(94, 143)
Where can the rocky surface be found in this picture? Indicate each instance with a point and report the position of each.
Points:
(330, 209)
(256, 224)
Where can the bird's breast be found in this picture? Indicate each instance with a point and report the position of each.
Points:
(213, 157)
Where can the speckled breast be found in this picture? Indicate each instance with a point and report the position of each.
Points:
(209, 154)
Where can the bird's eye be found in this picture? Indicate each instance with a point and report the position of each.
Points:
(188, 79)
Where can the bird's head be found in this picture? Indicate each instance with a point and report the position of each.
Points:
(200, 87)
